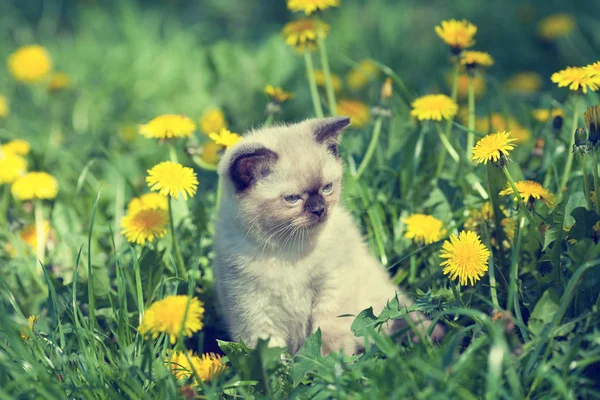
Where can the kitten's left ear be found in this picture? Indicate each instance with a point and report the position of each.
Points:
(329, 129)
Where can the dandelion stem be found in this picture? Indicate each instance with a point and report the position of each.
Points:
(450, 120)
(371, 149)
(269, 120)
(492, 267)
(447, 145)
(4, 203)
(172, 153)
(513, 296)
(586, 187)
(325, 65)
(470, 135)
(595, 174)
(312, 84)
(569, 163)
(178, 258)
(40, 235)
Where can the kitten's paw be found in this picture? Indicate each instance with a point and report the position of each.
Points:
(275, 341)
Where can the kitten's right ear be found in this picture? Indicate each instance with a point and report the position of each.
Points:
(250, 165)
(329, 130)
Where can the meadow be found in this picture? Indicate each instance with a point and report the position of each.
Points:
(471, 167)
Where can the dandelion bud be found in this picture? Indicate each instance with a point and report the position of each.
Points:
(581, 141)
(592, 120)
(386, 89)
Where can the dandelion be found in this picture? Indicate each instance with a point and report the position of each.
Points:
(434, 107)
(311, 6)
(167, 316)
(59, 81)
(208, 366)
(18, 147)
(144, 225)
(593, 69)
(336, 82)
(387, 89)
(555, 27)
(3, 107)
(466, 258)
(27, 332)
(477, 216)
(494, 148)
(302, 33)
(356, 110)
(576, 78)
(360, 75)
(213, 120)
(148, 201)
(225, 138)
(210, 153)
(457, 34)
(524, 82)
(473, 59)
(592, 121)
(277, 94)
(530, 191)
(11, 167)
(168, 126)
(170, 179)
(423, 228)
(29, 64)
(35, 185)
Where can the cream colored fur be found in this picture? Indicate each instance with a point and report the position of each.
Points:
(273, 285)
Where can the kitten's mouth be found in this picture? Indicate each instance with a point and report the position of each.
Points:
(314, 221)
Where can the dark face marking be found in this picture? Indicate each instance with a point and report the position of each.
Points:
(329, 130)
(251, 165)
(315, 204)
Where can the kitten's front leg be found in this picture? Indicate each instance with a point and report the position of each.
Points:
(258, 325)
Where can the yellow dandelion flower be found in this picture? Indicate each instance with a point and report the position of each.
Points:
(144, 225)
(213, 120)
(555, 26)
(210, 153)
(59, 81)
(531, 191)
(35, 185)
(509, 226)
(17, 146)
(457, 34)
(27, 332)
(310, 6)
(462, 85)
(434, 107)
(148, 201)
(387, 90)
(466, 258)
(170, 179)
(593, 69)
(277, 94)
(524, 82)
(302, 34)
(12, 167)
(29, 63)
(3, 107)
(493, 148)
(576, 78)
(168, 126)
(167, 316)
(225, 138)
(472, 59)
(29, 234)
(357, 111)
(208, 366)
(336, 82)
(477, 216)
(422, 228)
(128, 132)
(360, 75)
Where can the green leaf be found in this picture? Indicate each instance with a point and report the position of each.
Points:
(365, 319)
(307, 359)
(544, 311)
(584, 223)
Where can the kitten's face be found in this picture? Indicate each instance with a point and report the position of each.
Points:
(288, 184)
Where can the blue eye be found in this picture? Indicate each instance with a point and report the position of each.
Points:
(292, 199)
(328, 188)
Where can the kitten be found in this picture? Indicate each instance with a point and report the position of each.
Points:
(288, 256)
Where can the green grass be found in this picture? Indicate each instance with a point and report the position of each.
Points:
(129, 64)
